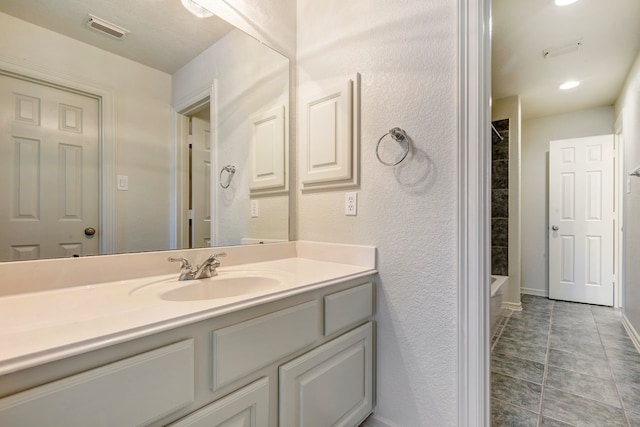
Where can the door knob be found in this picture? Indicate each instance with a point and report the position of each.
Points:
(555, 228)
(89, 231)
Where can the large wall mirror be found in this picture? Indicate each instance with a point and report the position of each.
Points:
(137, 126)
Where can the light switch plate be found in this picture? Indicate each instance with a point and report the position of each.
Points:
(254, 209)
(351, 203)
(123, 182)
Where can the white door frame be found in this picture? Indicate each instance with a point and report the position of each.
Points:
(107, 153)
(178, 233)
(620, 188)
(474, 157)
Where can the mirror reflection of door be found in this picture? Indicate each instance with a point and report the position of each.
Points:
(49, 149)
(200, 178)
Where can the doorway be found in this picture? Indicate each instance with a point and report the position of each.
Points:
(196, 146)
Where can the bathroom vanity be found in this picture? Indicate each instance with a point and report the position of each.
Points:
(286, 339)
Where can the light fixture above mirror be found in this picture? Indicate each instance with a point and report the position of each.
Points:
(196, 8)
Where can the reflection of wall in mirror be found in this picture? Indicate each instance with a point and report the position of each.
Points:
(250, 78)
(142, 98)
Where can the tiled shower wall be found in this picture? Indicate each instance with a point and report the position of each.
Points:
(500, 199)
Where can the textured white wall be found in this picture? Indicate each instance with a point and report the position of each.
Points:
(251, 78)
(536, 134)
(629, 105)
(142, 98)
(509, 108)
(406, 53)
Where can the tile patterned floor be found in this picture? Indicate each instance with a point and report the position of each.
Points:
(564, 364)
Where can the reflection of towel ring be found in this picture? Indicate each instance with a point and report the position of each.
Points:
(230, 169)
(399, 136)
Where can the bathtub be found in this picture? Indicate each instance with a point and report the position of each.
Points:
(498, 285)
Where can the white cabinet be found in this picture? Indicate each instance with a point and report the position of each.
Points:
(131, 392)
(247, 407)
(302, 361)
(331, 385)
(240, 349)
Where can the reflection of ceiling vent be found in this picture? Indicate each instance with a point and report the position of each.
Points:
(106, 27)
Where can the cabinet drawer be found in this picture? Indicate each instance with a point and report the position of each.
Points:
(248, 406)
(331, 385)
(241, 349)
(345, 308)
(130, 392)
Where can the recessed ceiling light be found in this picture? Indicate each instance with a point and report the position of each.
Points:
(569, 85)
(564, 2)
(198, 10)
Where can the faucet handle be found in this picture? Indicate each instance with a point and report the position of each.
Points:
(184, 263)
(218, 255)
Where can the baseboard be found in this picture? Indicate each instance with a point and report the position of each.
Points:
(633, 334)
(513, 306)
(534, 292)
(376, 421)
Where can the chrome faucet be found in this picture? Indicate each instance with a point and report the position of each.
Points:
(206, 269)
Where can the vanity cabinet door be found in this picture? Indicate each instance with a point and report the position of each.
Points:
(131, 392)
(247, 407)
(331, 385)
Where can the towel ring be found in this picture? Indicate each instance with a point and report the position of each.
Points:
(399, 136)
(230, 169)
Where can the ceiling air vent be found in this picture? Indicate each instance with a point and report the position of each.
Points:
(106, 27)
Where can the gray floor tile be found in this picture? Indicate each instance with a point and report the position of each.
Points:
(577, 410)
(513, 348)
(518, 368)
(569, 307)
(630, 397)
(592, 364)
(634, 419)
(625, 372)
(618, 341)
(583, 385)
(534, 313)
(577, 345)
(531, 337)
(613, 328)
(584, 364)
(529, 324)
(568, 321)
(623, 355)
(601, 309)
(583, 334)
(550, 422)
(517, 392)
(504, 414)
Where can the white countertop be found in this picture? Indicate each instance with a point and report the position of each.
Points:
(41, 327)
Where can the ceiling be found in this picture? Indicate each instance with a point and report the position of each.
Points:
(164, 35)
(609, 31)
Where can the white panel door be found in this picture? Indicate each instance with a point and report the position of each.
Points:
(581, 220)
(49, 149)
(201, 182)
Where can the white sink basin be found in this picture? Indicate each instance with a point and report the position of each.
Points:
(226, 284)
(221, 287)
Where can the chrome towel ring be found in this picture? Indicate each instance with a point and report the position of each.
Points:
(398, 135)
(231, 170)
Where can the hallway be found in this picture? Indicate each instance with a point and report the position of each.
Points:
(564, 364)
